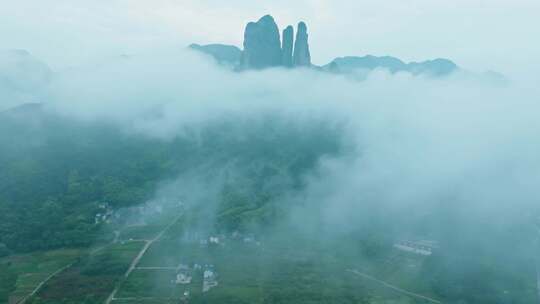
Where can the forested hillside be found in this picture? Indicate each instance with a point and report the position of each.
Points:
(56, 171)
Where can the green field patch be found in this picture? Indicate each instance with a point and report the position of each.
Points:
(31, 269)
(146, 301)
(143, 232)
(92, 278)
(246, 273)
(172, 253)
(148, 283)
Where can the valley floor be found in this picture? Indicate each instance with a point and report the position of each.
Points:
(166, 262)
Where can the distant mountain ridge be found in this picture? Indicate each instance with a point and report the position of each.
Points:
(23, 78)
(264, 48)
(350, 64)
(223, 54)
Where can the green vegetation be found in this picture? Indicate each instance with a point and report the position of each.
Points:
(481, 278)
(8, 279)
(92, 278)
(58, 174)
(247, 273)
(23, 273)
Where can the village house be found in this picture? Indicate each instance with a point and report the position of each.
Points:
(209, 278)
(183, 275)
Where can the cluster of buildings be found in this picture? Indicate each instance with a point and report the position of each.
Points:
(209, 278)
(246, 238)
(104, 215)
(219, 239)
(184, 276)
(132, 216)
(421, 247)
(212, 240)
(185, 273)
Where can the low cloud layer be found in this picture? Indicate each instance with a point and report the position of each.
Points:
(412, 142)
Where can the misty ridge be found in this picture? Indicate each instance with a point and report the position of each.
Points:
(262, 141)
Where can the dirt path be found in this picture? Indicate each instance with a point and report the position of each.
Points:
(38, 287)
(393, 287)
(139, 257)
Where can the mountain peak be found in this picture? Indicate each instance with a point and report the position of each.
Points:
(266, 19)
(262, 44)
(301, 56)
(264, 47)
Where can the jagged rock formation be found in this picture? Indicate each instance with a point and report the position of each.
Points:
(301, 56)
(262, 47)
(287, 46)
(224, 54)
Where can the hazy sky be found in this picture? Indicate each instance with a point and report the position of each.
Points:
(500, 35)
